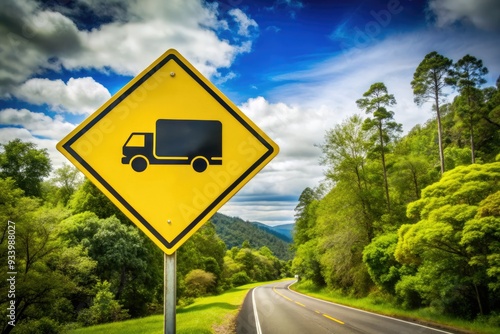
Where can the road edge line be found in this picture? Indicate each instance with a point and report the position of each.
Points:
(356, 309)
(256, 316)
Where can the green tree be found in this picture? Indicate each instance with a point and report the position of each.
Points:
(415, 157)
(306, 263)
(105, 308)
(449, 245)
(428, 82)
(205, 251)
(381, 263)
(305, 218)
(199, 282)
(25, 164)
(240, 278)
(487, 131)
(258, 265)
(345, 150)
(67, 179)
(125, 257)
(265, 251)
(345, 153)
(481, 237)
(492, 114)
(467, 76)
(246, 244)
(375, 102)
(51, 275)
(89, 198)
(410, 173)
(247, 259)
(343, 233)
(234, 231)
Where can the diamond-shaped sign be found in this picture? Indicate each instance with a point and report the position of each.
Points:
(169, 149)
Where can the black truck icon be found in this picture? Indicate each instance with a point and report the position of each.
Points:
(176, 142)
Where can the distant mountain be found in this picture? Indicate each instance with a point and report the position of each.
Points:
(285, 229)
(233, 231)
(281, 231)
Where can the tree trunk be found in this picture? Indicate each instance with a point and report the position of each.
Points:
(440, 130)
(472, 149)
(386, 184)
(471, 128)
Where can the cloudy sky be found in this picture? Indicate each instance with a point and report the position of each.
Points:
(295, 67)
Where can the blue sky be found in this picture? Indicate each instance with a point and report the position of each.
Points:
(294, 67)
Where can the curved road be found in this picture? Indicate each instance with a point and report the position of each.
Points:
(275, 309)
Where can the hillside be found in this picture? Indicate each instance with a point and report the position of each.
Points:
(233, 231)
(284, 231)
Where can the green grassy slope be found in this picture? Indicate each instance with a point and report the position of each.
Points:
(215, 314)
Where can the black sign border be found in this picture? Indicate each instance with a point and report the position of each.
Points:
(129, 207)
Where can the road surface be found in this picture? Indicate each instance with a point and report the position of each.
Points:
(275, 309)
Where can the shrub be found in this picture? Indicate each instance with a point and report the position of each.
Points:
(105, 307)
(407, 293)
(240, 278)
(198, 282)
(39, 326)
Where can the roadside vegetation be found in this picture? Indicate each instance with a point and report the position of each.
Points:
(412, 222)
(379, 303)
(81, 262)
(214, 314)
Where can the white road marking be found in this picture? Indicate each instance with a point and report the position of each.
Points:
(257, 323)
(355, 309)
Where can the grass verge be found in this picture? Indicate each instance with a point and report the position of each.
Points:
(379, 305)
(214, 314)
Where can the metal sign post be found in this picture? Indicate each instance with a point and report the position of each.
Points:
(169, 292)
(169, 149)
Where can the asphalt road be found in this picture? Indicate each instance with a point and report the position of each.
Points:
(274, 309)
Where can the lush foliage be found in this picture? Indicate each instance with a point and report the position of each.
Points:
(234, 231)
(455, 243)
(211, 314)
(413, 218)
(25, 164)
(79, 260)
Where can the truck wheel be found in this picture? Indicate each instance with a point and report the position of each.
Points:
(139, 164)
(199, 164)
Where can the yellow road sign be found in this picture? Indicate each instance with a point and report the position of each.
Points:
(169, 149)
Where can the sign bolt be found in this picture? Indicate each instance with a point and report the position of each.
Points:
(172, 74)
(169, 221)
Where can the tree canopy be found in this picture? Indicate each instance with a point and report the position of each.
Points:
(25, 164)
(423, 231)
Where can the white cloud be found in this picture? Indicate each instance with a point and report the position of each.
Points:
(244, 22)
(314, 97)
(37, 124)
(484, 14)
(37, 128)
(78, 96)
(57, 159)
(297, 130)
(30, 38)
(265, 211)
(340, 80)
(220, 79)
(34, 39)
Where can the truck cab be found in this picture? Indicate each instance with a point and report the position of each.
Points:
(139, 149)
(176, 142)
